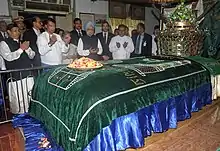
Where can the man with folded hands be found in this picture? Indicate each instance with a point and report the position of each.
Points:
(121, 46)
(51, 45)
(17, 55)
(89, 45)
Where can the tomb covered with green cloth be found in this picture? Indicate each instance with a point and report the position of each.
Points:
(75, 105)
(211, 64)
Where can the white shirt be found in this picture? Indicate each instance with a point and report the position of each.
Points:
(154, 45)
(51, 55)
(79, 32)
(2, 63)
(6, 53)
(82, 52)
(140, 44)
(37, 32)
(121, 52)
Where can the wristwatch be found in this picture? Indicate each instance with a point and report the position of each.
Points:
(49, 44)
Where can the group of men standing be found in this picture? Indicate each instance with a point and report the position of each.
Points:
(20, 48)
(105, 45)
(48, 47)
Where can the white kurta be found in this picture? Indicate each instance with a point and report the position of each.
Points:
(215, 86)
(154, 46)
(18, 95)
(83, 52)
(51, 55)
(17, 90)
(121, 52)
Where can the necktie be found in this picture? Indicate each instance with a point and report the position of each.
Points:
(155, 39)
(79, 33)
(138, 44)
(5, 35)
(105, 37)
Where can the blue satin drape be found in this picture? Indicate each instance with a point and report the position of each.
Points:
(129, 130)
(1, 105)
(33, 131)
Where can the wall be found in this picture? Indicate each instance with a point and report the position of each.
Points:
(65, 22)
(101, 7)
(87, 6)
(150, 20)
(4, 9)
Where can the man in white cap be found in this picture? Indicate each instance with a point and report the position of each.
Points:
(89, 45)
(19, 21)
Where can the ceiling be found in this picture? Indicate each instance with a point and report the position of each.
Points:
(147, 2)
(134, 1)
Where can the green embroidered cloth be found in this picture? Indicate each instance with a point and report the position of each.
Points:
(211, 64)
(75, 105)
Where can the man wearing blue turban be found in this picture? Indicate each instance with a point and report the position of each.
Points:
(89, 45)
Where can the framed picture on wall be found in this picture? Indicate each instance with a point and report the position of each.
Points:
(7, 19)
(117, 10)
(137, 12)
(100, 18)
(86, 17)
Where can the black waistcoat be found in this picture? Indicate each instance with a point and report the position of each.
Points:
(22, 62)
(91, 43)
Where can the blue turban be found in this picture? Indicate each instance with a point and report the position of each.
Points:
(89, 24)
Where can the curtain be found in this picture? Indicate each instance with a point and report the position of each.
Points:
(132, 24)
(210, 25)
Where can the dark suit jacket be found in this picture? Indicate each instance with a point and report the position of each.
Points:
(105, 46)
(75, 37)
(146, 46)
(30, 36)
(1, 37)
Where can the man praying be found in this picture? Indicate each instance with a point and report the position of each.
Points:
(17, 55)
(121, 46)
(90, 45)
(51, 46)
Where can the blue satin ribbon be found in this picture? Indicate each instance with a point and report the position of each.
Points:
(130, 130)
(33, 131)
(1, 105)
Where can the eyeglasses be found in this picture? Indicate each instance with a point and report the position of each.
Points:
(90, 29)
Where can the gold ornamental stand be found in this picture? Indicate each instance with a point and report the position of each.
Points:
(180, 39)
